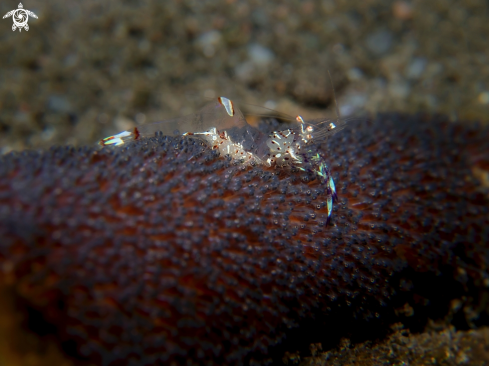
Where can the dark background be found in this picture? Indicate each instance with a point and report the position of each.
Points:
(88, 69)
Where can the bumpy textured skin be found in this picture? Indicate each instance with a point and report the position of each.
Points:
(163, 252)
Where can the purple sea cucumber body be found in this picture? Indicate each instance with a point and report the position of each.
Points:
(163, 251)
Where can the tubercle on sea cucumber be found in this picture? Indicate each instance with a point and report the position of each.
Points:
(165, 252)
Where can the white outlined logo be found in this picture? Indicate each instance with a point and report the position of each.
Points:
(20, 17)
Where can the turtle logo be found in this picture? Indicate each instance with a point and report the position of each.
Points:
(20, 17)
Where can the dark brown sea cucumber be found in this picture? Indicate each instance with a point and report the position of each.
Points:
(162, 251)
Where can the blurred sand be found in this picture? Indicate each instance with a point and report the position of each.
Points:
(443, 347)
(89, 69)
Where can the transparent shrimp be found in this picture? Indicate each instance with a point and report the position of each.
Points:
(220, 123)
(220, 114)
(223, 127)
(291, 147)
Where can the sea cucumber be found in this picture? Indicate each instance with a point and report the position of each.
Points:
(164, 252)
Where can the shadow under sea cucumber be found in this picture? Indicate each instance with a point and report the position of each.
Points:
(164, 252)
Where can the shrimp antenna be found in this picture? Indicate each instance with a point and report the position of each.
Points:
(337, 110)
(274, 112)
